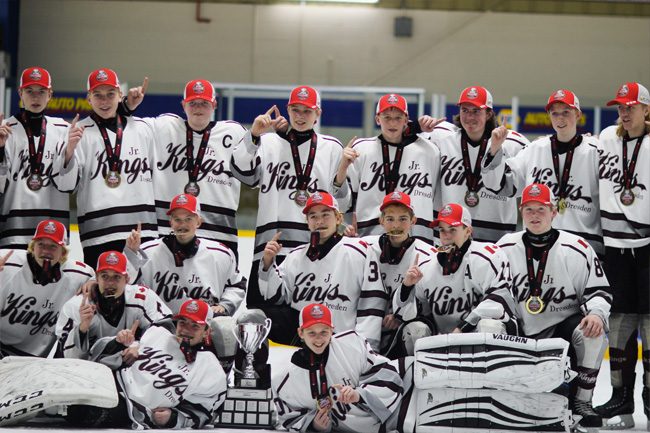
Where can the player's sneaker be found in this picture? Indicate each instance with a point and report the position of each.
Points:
(619, 410)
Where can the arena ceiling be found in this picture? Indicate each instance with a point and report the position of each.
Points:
(632, 8)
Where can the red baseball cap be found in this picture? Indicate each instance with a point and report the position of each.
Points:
(321, 197)
(112, 261)
(537, 192)
(564, 96)
(199, 89)
(477, 96)
(454, 215)
(195, 310)
(631, 94)
(185, 201)
(392, 100)
(396, 197)
(313, 314)
(305, 95)
(35, 76)
(52, 230)
(102, 77)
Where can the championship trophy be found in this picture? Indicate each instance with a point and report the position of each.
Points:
(249, 404)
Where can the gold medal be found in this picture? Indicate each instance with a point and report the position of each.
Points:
(113, 179)
(534, 305)
(323, 403)
(561, 205)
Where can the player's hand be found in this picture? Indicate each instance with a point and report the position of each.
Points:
(428, 123)
(391, 322)
(135, 96)
(271, 250)
(457, 330)
(5, 131)
(592, 326)
(349, 154)
(74, 136)
(127, 336)
(130, 355)
(280, 124)
(347, 394)
(497, 139)
(322, 420)
(351, 229)
(161, 415)
(86, 312)
(4, 259)
(413, 274)
(134, 239)
(266, 122)
(218, 310)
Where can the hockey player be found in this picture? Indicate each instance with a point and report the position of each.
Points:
(181, 266)
(107, 161)
(463, 148)
(566, 161)
(287, 167)
(395, 251)
(29, 142)
(625, 216)
(335, 382)
(192, 155)
(561, 291)
(34, 285)
(175, 382)
(95, 318)
(331, 269)
(395, 160)
(465, 285)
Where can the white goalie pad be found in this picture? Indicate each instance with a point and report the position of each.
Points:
(486, 410)
(494, 361)
(30, 385)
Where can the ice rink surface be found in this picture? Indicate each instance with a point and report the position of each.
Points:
(280, 356)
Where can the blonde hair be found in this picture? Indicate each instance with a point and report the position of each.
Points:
(620, 131)
(409, 210)
(64, 257)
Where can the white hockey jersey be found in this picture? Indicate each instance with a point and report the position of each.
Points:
(494, 215)
(109, 214)
(419, 174)
(534, 164)
(624, 226)
(478, 289)
(219, 189)
(140, 303)
(574, 282)
(392, 274)
(346, 279)
(22, 209)
(28, 310)
(349, 360)
(161, 377)
(210, 275)
(270, 168)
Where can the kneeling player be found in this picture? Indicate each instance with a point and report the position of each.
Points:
(335, 382)
(104, 315)
(332, 269)
(561, 291)
(465, 285)
(176, 382)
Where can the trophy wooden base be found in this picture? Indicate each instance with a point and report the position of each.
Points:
(247, 408)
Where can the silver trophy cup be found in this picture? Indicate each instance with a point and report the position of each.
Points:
(250, 337)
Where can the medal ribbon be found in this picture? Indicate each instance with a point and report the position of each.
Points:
(303, 175)
(472, 177)
(563, 181)
(628, 169)
(535, 280)
(193, 166)
(112, 154)
(35, 155)
(318, 384)
(390, 175)
(385, 256)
